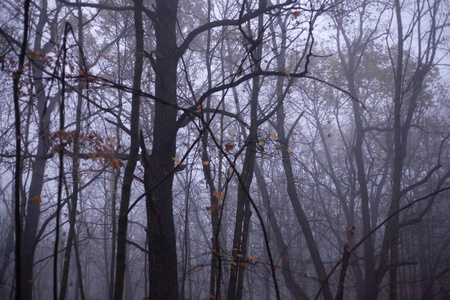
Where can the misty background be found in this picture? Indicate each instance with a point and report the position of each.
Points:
(187, 149)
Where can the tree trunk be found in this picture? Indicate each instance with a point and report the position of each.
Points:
(349, 67)
(133, 157)
(157, 178)
(44, 108)
(295, 289)
(243, 211)
(80, 286)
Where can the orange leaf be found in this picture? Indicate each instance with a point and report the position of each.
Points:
(116, 164)
(37, 200)
(218, 195)
(229, 146)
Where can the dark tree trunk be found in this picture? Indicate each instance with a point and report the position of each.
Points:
(243, 212)
(45, 107)
(75, 167)
(18, 163)
(158, 180)
(133, 157)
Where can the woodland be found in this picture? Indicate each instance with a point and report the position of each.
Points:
(224, 149)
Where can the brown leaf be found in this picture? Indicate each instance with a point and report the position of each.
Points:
(37, 200)
(229, 146)
(213, 207)
(218, 195)
(116, 164)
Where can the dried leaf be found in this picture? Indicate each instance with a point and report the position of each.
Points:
(37, 200)
(214, 207)
(116, 164)
(229, 146)
(218, 195)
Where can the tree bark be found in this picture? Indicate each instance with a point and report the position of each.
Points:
(133, 157)
(157, 179)
(18, 163)
(45, 107)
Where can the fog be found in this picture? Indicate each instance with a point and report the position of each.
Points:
(224, 149)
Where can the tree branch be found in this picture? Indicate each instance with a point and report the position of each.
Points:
(228, 22)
